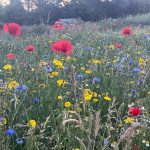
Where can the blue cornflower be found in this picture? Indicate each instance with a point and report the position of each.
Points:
(119, 65)
(48, 69)
(65, 68)
(148, 129)
(21, 88)
(136, 70)
(36, 100)
(145, 36)
(106, 142)
(24, 88)
(1, 119)
(18, 88)
(19, 141)
(80, 76)
(139, 81)
(131, 62)
(96, 80)
(10, 132)
(133, 93)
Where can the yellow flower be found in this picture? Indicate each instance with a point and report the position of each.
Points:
(59, 97)
(112, 47)
(129, 120)
(147, 143)
(75, 149)
(138, 53)
(82, 68)
(78, 109)
(88, 94)
(7, 67)
(61, 82)
(131, 82)
(119, 124)
(88, 71)
(2, 90)
(95, 100)
(32, 69)
(141, 61)
(94, 94)
(67, 93)
(50, 42)
(114, 61)
(42, 85)
(12, 84)
(70, 111)
(67, 104)
(113, 144)
(58, 63)
(107, 98)
(96, 61)
(55, 73)
(4, 121)
(32, 123)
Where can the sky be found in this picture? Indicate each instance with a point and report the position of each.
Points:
(4, 2)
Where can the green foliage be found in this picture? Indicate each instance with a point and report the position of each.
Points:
(31, 12)
(87, 125)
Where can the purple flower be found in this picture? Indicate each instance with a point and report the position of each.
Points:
(10, 132)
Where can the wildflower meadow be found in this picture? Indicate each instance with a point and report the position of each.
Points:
(75, 87)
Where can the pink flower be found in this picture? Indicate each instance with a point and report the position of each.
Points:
(117, 45)
(10, 56)
(30, 48)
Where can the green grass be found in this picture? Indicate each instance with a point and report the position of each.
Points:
(86, 124)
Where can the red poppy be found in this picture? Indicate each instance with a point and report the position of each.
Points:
(30, 48)
(134, 111)
(63, 46)
(10, 56)
(117, 45)
(12, 28)
(58, 25)
(126, 31)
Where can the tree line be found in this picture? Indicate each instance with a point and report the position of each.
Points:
(29, 12)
